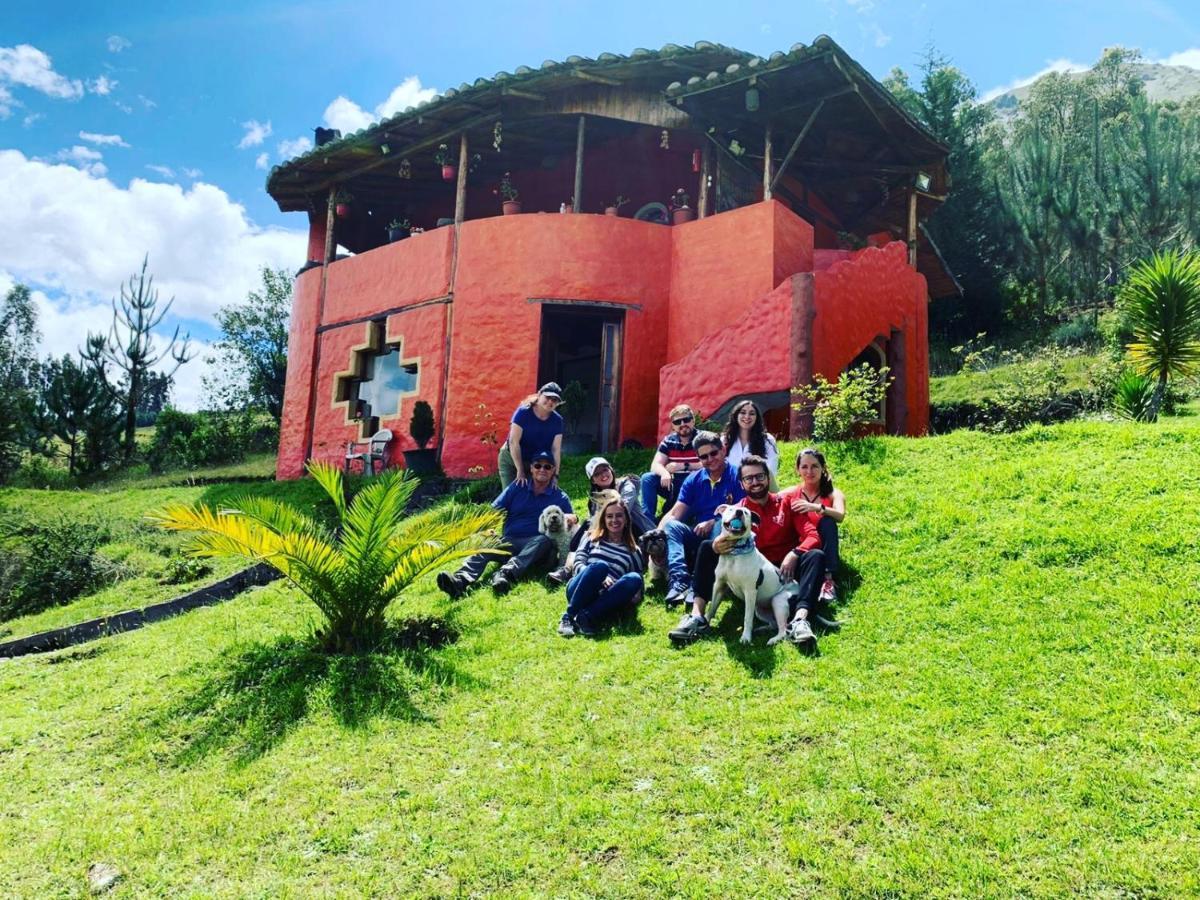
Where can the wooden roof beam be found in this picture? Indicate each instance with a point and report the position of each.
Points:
(520, 94)
(598, 79)
(812, 117)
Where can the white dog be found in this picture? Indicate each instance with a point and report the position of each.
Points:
(553, 524)
(743, 571)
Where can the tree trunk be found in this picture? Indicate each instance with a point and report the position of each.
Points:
(1156, 399)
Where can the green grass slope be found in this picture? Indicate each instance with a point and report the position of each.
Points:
(1013, 710)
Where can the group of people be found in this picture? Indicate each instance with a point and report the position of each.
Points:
(696, 473)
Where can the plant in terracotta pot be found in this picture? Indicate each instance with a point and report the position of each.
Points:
(421, 429)
(341, 203)
(574, 399)
(614, 208)
(509, 195)
(680, 211)
(444, 158)
(399, 229)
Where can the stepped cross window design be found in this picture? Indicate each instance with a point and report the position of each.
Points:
(379, 378)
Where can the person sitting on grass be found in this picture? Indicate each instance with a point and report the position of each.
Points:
(607, 573)
(690, 520)
(674, 461)
(523, 503)
(816, 497)
(601, 480)
(787, 539)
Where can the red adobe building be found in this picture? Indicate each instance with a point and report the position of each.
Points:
(799, 251)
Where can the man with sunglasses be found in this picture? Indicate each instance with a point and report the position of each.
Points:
(674, 461)
(690, 520)
(783, 536)
(523, 503)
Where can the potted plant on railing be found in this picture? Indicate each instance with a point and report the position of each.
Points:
(398, 229)
(614, 208)
(508, 194)
(574, 398)
(420, 427)
(445, 159)
(341, 203)
(680, 211)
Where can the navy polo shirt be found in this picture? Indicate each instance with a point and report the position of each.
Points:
(523, 507)
(702, 496)
(536, 434)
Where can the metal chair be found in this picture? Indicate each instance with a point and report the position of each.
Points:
(376, 451)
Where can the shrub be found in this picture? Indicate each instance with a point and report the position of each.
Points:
(50, 564)
(1132, 397)
(836, 407)
(182, 569)
(39, 472)
(191, 440)
(1080, 332)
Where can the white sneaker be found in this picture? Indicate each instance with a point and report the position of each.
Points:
(800, 631)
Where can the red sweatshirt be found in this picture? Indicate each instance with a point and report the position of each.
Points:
(779, 530)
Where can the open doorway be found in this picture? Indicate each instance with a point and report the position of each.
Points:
(583, 343)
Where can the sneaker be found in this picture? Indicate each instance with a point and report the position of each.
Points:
(559, 576)
(566, 627)
(583, 628)
(800, 632)
(676, 595)
(690, 627)
(500, 584)
(828, 591)
(451, 585)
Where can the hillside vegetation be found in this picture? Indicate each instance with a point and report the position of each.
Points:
(1011, 710)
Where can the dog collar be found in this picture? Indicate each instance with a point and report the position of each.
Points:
(743, 546)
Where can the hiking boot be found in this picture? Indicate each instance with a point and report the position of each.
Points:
(676, 595)
(451, 585)
(690, 627)
(566, 627)
(559, 576)
(800, 632)
(828, 591)
(502, 583)
(584, 628)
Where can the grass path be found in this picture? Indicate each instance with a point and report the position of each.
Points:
(1013, 710)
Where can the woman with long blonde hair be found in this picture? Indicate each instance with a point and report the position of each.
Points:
(607, 572)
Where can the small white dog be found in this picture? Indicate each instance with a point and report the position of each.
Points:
(553, 524)
(743, 571)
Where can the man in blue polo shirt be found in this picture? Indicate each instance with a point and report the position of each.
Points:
(523, 505)
(690, 520)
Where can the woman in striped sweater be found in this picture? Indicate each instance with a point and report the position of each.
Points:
(607, 579)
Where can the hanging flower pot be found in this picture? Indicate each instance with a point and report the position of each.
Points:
(511, 207)
(449, 172)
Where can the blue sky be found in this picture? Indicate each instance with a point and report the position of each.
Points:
(135, 127)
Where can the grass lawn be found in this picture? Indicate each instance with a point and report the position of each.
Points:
(1013, 710)
(976, 387)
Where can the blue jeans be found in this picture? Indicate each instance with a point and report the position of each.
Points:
(652, 489)
(682, 544)
(589, 601)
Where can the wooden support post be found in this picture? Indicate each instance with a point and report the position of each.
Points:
(767, 163)
(577, 197)
(330, 212)
(912, 227)
(796, 143)
(705, 166)
(460, 191)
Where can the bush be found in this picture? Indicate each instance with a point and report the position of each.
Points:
(51, 564)
(40, 473)
(837, 407)
(191, 440)
(1080, 332)
(1131, 399)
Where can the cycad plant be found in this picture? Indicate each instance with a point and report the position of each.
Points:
(1133, 395)
(1161, 301)
(351, 574)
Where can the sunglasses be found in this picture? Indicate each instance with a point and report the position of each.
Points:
(542, 466)
(682, 421)
(755, 477)
(705, 457)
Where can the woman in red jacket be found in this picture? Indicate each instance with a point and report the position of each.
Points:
(824, 505)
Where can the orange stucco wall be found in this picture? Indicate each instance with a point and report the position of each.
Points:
(390, 276)
(296, 423)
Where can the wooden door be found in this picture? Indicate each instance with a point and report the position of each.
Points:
(610, 386)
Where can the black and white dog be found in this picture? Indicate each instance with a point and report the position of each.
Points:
(743, 571)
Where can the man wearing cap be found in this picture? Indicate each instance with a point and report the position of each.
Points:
(535, 427)
(523, 503)
(674, 461)
(690, 520)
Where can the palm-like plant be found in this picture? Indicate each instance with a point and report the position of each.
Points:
(353, 574)
(1161, 300)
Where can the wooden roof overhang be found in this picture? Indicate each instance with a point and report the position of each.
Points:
(538, 110)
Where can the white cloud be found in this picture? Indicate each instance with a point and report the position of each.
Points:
(147, 102)
(102, 85)
(7, 103)
(27, 66)
(288, 149)
(164, 171)
(256, 133)
(29, 119)
(84, 158)
(116, 43)
(1189, 58)
(113, 140)
(191, 173)
(262, 161)
(123, 107)
(347, 116)
(861, 6)
(877, 35)
(65, 231)
(1056, 65)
